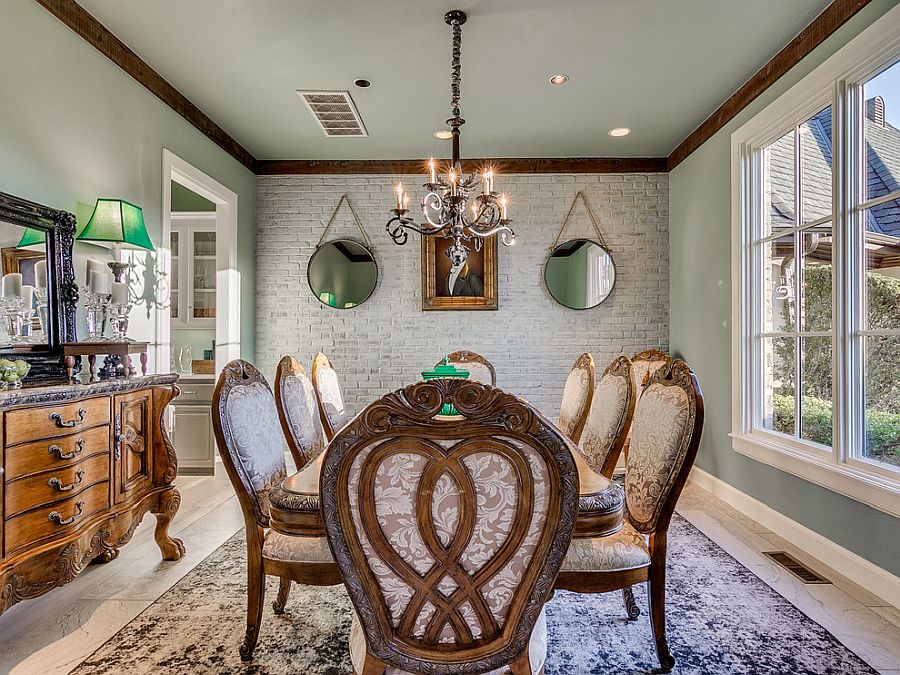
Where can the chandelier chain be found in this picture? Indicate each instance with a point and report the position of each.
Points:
(455, 76)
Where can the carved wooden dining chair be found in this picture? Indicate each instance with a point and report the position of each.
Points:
(480, 369)
(250, 442)
(668, 421)
(298, 412)
(328, 396)
(609, 418)
(449, 532)
(644, 365)
(578, 393)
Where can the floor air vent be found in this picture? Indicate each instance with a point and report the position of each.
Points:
(334, 111)
(795, 567)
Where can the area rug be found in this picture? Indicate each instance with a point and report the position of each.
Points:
(722, 619)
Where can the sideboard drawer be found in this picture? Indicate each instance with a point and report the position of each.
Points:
(53, 486)
(29, 424)
(56, 519)
(55, 453)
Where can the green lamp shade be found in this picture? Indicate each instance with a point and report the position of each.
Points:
(118, 222)
(32, 237)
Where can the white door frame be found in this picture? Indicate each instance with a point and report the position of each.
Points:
(228, 278)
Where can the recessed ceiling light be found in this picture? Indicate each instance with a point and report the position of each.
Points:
(443, 134)
(362, 83)
(619, 131)
(561, 78)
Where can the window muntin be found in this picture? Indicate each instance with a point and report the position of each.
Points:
(794, 344)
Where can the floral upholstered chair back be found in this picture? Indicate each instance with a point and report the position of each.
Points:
(249, 437)
(332, 412)
(609, 418)
(480, 369)
(448, 533)
(298, 412)
(577, 395)
(645, 364)
(665, 434)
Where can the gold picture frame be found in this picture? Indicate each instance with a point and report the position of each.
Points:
(480, 270)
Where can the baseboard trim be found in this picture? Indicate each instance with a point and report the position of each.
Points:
(875, 580)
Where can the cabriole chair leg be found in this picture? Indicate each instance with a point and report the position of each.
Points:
(631, 608)
(284, 588)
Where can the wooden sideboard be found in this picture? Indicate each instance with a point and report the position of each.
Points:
(81, 465)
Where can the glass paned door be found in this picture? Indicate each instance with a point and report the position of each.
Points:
(174, 296)
(203, 301)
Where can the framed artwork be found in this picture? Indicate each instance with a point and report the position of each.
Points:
(470, 286)
(17, 260)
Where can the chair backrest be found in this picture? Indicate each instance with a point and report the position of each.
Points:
(577, 396)
(480, 369)
(449, 533)
(328, 395)
(645, 364)
(665, 434)
(609, 418)
(249, 438)
(298, 412)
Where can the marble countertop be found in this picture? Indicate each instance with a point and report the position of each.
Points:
(63, 391)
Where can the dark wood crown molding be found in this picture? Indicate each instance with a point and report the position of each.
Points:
(102, 39)
(277, 167)
(96, 34)
(832, 17)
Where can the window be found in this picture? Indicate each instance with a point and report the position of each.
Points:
(817, 274)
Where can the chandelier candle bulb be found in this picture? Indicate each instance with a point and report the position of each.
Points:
(432, 171)
(399, 196)
(503, 208)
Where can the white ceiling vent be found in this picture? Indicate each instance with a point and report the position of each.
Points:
(334, 111)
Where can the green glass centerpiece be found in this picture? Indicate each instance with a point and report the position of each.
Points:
(448, 371)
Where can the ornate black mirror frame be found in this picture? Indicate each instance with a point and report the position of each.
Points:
(62, 291)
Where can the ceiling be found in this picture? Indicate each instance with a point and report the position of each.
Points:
(658, 66)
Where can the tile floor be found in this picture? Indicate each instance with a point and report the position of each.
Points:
(54, 633)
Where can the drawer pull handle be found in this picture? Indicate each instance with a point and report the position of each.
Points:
(57, 417)
(56, 516)
(57, 483)
(58, 451)
(188, 392)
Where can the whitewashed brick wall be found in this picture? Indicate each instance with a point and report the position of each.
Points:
(531, 340)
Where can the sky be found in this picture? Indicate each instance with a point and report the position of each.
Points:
(887, 85)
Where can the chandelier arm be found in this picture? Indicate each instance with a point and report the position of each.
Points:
(489, 232)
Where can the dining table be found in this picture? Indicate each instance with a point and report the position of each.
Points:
(295, 505)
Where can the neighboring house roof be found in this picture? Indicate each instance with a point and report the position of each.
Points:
(882, 173)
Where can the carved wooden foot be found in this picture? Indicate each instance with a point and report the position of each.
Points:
(169, 501)
(631, 608)
(666, 660)
(284, 588)
(108, 555)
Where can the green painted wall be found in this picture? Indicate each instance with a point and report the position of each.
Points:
(188, 200)
(73, 127)
(700, 330)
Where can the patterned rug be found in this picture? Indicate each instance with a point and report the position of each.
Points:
(722, 619)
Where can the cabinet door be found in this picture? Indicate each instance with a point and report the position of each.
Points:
(132, 443)
(202, 301)
(192, 436)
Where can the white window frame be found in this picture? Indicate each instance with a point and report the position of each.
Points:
(834, 83)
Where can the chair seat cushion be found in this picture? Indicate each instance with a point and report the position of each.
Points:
(295, 505)
(288, 548)
(537, 649)
(625, 550)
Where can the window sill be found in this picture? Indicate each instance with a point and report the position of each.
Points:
(873, 489)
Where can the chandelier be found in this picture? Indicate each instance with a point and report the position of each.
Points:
(454, 206)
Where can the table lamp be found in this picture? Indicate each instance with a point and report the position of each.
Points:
(120, 223)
